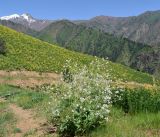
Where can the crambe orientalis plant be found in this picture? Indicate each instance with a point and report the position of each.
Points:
(82, 101)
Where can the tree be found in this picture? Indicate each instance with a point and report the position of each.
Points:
(2, 46)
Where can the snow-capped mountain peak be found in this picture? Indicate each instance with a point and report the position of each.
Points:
(25, 17)
(28, 17)
(14, 16)
(27, 20)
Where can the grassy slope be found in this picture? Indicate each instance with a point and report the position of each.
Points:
(139, 125)
(25, 52)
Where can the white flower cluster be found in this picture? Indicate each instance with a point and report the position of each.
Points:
(117, 95)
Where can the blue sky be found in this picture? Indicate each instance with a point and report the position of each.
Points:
(77, 9)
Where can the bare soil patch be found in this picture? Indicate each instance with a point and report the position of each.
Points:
(28, 78)
(153, 133)
(26, 121)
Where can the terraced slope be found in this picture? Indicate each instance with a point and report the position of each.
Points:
(27, 53)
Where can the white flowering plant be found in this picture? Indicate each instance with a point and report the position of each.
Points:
(82, 103)
(117, 94)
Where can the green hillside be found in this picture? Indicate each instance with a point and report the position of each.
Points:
(91, 41)
(25, 52)
(98, 43)
(94, 41)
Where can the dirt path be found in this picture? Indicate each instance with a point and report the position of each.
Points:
(26, 121)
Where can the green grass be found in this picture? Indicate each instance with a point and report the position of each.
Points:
(7, 91)
(7, 120)
(28, 99)
(25, 52)
(120, 125)
(25, 98)
(17, 130)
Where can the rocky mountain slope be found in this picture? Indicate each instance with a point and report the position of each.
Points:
(143, 28)
(18, 27)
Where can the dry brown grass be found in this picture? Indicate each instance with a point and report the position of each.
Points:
(33, 79)
(28, 78)
(133, 85)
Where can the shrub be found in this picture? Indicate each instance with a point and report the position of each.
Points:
(82, 104)
(137, 100)
(67, 76)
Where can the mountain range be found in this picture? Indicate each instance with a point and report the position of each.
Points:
(132, 41)
(143, 28)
